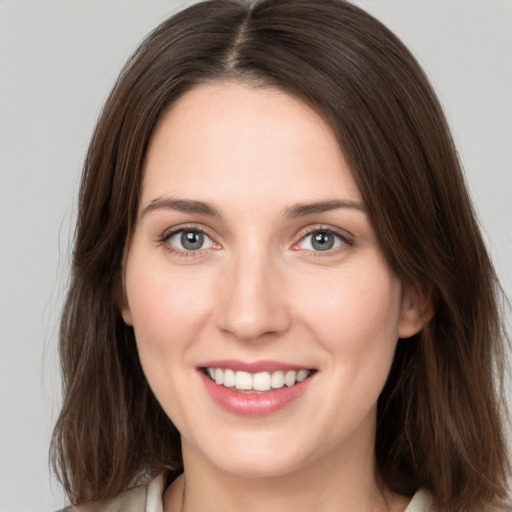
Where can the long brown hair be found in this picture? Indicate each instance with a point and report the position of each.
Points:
(441, 413)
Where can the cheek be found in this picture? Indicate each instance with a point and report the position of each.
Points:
(356, 320)
(168, 311)
(167, 308)
(357, 312)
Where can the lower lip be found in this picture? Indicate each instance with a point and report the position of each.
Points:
(257, 404)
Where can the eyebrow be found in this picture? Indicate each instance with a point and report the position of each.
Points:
(305, 209)
(181, 205)
(294, 212)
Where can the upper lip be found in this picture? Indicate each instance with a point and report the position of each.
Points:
(254, 366)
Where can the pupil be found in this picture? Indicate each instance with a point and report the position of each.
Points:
(322, 241)
(192, 240)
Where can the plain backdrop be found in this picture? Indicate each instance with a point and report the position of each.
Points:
(58, 60)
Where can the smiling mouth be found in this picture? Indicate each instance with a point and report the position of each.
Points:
(253, 383)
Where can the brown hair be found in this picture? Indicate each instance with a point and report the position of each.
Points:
(441, 413)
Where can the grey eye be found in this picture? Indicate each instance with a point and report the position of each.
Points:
(321, 241)
(189, 240)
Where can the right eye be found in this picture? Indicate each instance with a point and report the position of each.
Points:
(188, 240)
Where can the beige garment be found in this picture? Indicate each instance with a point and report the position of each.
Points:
(148, 498)
(143, 498)
(421, 502)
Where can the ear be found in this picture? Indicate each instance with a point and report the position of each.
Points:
(121, 299)
(417, 311)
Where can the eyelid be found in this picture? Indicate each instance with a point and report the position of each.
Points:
(346, 238)
(165, 237)
(169, 232)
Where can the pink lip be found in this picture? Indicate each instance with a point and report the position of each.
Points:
(253, 405)
(254, 367)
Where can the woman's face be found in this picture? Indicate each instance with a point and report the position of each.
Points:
(253, 261)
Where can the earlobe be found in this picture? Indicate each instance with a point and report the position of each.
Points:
(417, 311)
(122, 301)
(126, 314)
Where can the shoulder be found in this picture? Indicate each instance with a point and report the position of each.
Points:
(132, 500)
(144, 498)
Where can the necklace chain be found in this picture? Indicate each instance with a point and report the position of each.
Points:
(182, 508)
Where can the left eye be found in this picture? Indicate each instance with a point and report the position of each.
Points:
(190, 240)
(321, 241)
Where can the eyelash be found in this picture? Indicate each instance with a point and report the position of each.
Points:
(167, 236)
(346, 241)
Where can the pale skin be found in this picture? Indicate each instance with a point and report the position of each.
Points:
(238, 164)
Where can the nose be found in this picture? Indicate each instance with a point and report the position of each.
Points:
(252, 302)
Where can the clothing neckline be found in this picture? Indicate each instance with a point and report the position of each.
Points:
(421, 501)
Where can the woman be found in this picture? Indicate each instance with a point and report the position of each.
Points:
(272, 304)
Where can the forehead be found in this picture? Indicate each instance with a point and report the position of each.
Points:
(227, 140)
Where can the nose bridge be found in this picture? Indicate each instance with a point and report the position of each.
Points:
(252, 301)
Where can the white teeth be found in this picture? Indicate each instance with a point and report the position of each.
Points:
(289, 378)
(243, 380)
(229, 378)
(277, 380)
(261, 381)
(301, 375)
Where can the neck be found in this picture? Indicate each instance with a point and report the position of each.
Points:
(338, 483)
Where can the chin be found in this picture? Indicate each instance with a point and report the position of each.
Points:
(260, 455)
(259, 466)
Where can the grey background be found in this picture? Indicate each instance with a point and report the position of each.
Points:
(58, 60)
